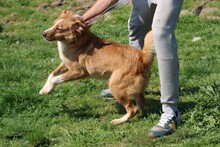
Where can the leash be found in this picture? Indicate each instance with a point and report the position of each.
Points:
(120, 2)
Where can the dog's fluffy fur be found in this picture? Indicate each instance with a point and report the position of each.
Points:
(84, 54)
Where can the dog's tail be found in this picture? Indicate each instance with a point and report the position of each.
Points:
(148, 48)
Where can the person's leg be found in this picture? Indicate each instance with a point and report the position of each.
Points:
(139, 23)
(164, 22)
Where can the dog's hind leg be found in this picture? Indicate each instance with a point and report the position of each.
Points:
(131, 109)
(140, 101)
(121, 96)
(120, 84)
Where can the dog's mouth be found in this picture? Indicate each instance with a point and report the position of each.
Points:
(46, 37)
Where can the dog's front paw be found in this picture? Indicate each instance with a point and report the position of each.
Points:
(43, 91)
(46, 89)
(117, 121)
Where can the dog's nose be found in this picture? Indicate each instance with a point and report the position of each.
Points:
(44, 34)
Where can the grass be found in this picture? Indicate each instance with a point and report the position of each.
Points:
(74, 114)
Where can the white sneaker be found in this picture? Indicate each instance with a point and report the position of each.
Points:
(166, 125)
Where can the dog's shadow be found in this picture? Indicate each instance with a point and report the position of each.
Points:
(153, 106)
(84, 111)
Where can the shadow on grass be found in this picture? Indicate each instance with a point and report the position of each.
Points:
(153, 106)
(43, 142)
(84, 111)
(189, 90)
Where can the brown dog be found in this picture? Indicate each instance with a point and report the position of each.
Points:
(83, 54)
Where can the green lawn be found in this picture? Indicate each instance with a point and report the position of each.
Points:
(74, 114)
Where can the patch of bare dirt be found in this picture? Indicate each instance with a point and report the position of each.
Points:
(13, 17)
(203, 10)
(208, 11)
(54, 3)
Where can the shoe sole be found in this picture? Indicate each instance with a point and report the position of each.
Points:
(108, 98)
(152, 136)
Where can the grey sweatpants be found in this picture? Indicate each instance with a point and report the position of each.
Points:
(161, 16)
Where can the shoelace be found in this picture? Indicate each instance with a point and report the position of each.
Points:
(165, 119)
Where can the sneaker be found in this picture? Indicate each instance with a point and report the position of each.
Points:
(107, 94)
(166, 125)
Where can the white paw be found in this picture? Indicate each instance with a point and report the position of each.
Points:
(120, 120)
(43, 92)
(116, 122)
(46, 89)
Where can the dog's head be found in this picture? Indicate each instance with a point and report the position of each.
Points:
(67, 27)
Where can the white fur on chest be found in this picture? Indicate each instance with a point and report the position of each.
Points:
(61, 47)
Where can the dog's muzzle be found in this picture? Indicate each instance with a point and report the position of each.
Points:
(44, 34)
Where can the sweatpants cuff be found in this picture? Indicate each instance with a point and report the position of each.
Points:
(169, 108)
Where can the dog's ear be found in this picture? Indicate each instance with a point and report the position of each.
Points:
(64, 14)
(67, 12)
(64, 11)
(78, 26)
